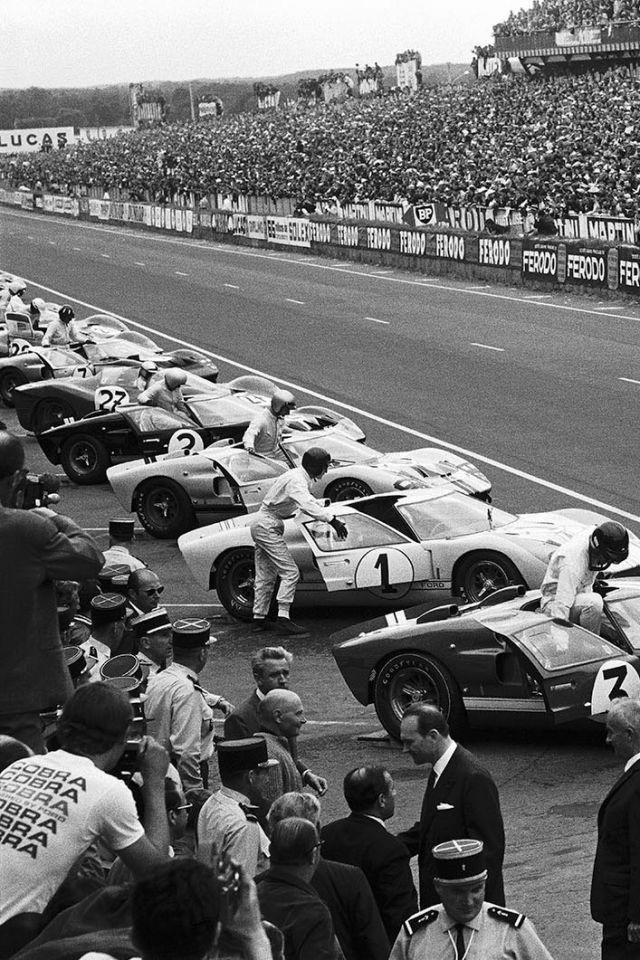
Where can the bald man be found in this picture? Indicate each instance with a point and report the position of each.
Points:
(282, 717)
(36, 547)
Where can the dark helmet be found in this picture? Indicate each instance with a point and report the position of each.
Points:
(66, 313)
(610, 541)
(315, 461)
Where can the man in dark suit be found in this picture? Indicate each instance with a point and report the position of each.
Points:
(461, 800)
(615, 887)
(363, 840)
(271, 667)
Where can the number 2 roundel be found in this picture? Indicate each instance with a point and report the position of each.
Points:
(386, 572)
(186, 442)
(615, 678)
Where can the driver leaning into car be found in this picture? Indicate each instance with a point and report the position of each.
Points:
(264, 433)
(63, 330)
(567, 588)
(167, 392)
(289, 493)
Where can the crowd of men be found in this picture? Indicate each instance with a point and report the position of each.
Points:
(566, 143)
(553, 15)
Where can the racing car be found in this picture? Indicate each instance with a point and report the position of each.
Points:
(420, 546)
(499, 661)
(170, 497)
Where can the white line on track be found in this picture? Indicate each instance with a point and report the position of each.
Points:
(375, 320)
(547, 484)
(538, 296)
(107, 256)
(485, 346)
(289, 300)
(77, 249)
(599, 309)
(29, 237)
(52, 243)
(180, 273)
(482, 286)
(139, 263)
(232, 286)
(628, 380)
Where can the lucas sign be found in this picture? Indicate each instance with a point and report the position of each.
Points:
(35, 139)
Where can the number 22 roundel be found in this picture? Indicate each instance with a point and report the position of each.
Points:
(386, 572)
(615, 678)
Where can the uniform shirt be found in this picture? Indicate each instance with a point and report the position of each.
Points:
(263, 434)
(159, 395)
(56, 334)
(120, 555)
(53, 808)
(95, 648)
(291, 492)
(567, 575)
(225, 828)
(149, 665)
(180, 719)
(485, 937)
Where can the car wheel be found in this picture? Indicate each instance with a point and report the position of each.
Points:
(480, 574)
(9, 380)
(164, 509)
(234, 583)
(347, 489)
(85, 460)
(412, 677)
(50, 413)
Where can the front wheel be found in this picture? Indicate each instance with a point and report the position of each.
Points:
(413, 677)
(348, 488)
(483, 573)
(234, 583)
(9, 380)
(164, 509)
(85, 460)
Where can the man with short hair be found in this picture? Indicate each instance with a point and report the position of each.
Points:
(144, 590)
(68, 799)
(463, 925)
(363, 840)
(108, 612)
(281, 719)
(121, 533)
(287, 898)
(615, 887)
(153, 637)
(461, 800)
(271, 667)
(227, 824)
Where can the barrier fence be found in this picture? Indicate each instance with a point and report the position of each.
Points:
(604, 261)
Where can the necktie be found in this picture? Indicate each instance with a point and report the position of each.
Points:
(431, 782)
(460, 947)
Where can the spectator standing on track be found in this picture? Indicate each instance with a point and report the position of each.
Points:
(363, 840)
(36, 548)
(289, 493)
(264, 433)
(615, 887)
(461, 800)
(271, 667)
(281, 719)
(121, 533)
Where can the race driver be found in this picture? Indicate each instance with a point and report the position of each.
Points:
(264, 433)
(567, 588)
(166, 392)
(289, 493)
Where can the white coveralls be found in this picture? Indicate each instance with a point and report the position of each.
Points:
(56, 334)
(159, 395)
(567, 586)
(289, 493)
(263, 434)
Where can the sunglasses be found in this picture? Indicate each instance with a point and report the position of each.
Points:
(184, 806)
(153, 590)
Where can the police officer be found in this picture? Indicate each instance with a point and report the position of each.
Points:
(567, 588)
(228, 823)
(108, 611)
(179, 711)
(167, 392)
(289, 493)
(464, 926)
(264, 433)
(121, 531)
(153, 637)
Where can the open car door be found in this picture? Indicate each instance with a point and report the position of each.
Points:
(248, 475)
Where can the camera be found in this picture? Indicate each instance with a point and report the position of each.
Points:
(127, 765)
(36, 490)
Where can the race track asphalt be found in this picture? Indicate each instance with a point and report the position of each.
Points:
(530, 382)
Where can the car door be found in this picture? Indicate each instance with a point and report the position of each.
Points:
(249, 476)
(373, 557)
(154, 427)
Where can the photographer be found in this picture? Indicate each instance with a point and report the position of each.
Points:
(36, 547)
(56, 806)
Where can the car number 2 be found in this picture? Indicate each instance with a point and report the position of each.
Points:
(615, 678)
(107, 399)
(185, 442)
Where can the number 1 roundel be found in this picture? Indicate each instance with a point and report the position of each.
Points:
(615, 678)
(386, 572)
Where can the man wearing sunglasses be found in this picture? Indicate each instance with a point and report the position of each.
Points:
(144, 590)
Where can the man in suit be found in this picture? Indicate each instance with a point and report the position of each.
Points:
(461, 800)
(36, 547)
(363, 840)
(271, 667)
(615, 887)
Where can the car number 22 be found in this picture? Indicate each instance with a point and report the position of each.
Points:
(615, 678)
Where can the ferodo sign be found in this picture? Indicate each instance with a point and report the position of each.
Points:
(628, 276)
(494, 251)
(540, 259)
(450, 246)
(413, 242)
(587, 266)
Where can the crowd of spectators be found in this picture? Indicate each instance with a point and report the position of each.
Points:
(553, 15)
(568, 142)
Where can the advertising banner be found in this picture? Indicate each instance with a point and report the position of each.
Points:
(320, 232)
(256, 228)
(540, 259)
(587, 266)
(347, 235)
(387, 212)
(495, 251)
(292, 231)
(611, 229)
(628, 276)
(450, 246)
(413, 242)
(35, 139)
(426, 214)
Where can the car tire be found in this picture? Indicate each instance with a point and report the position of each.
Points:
(9, 380)
(480, 574)
(164, 509)
(413, 677)
(234, 583)
(50, 413)
(347, 488)
(85, 460)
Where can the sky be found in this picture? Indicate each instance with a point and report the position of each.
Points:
(83, 43)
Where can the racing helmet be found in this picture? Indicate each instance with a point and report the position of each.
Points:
(66, 313)
(175, 378)
(315, 461)
(148, 368)
(282, 403)
(609, 543)
(38, 305)
(17, 286)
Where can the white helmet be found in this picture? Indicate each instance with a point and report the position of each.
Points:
(38, 304)
(282, 403)
(17, 286)
(175, 378)
(149, 367)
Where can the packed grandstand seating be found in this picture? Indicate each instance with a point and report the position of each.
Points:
(566, 143)
(562, 14)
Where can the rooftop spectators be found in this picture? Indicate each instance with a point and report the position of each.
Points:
(553, 15)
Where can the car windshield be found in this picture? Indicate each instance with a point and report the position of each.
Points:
(151, 419)
(222, 407)
(558, 646)
(63, 362)
(246, 468)
(626, 613)
(111, 349)
(453, 515)
(343, 450)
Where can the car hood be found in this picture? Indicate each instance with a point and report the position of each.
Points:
(428, 463)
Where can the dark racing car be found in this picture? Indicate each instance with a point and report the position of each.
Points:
(499, 661)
